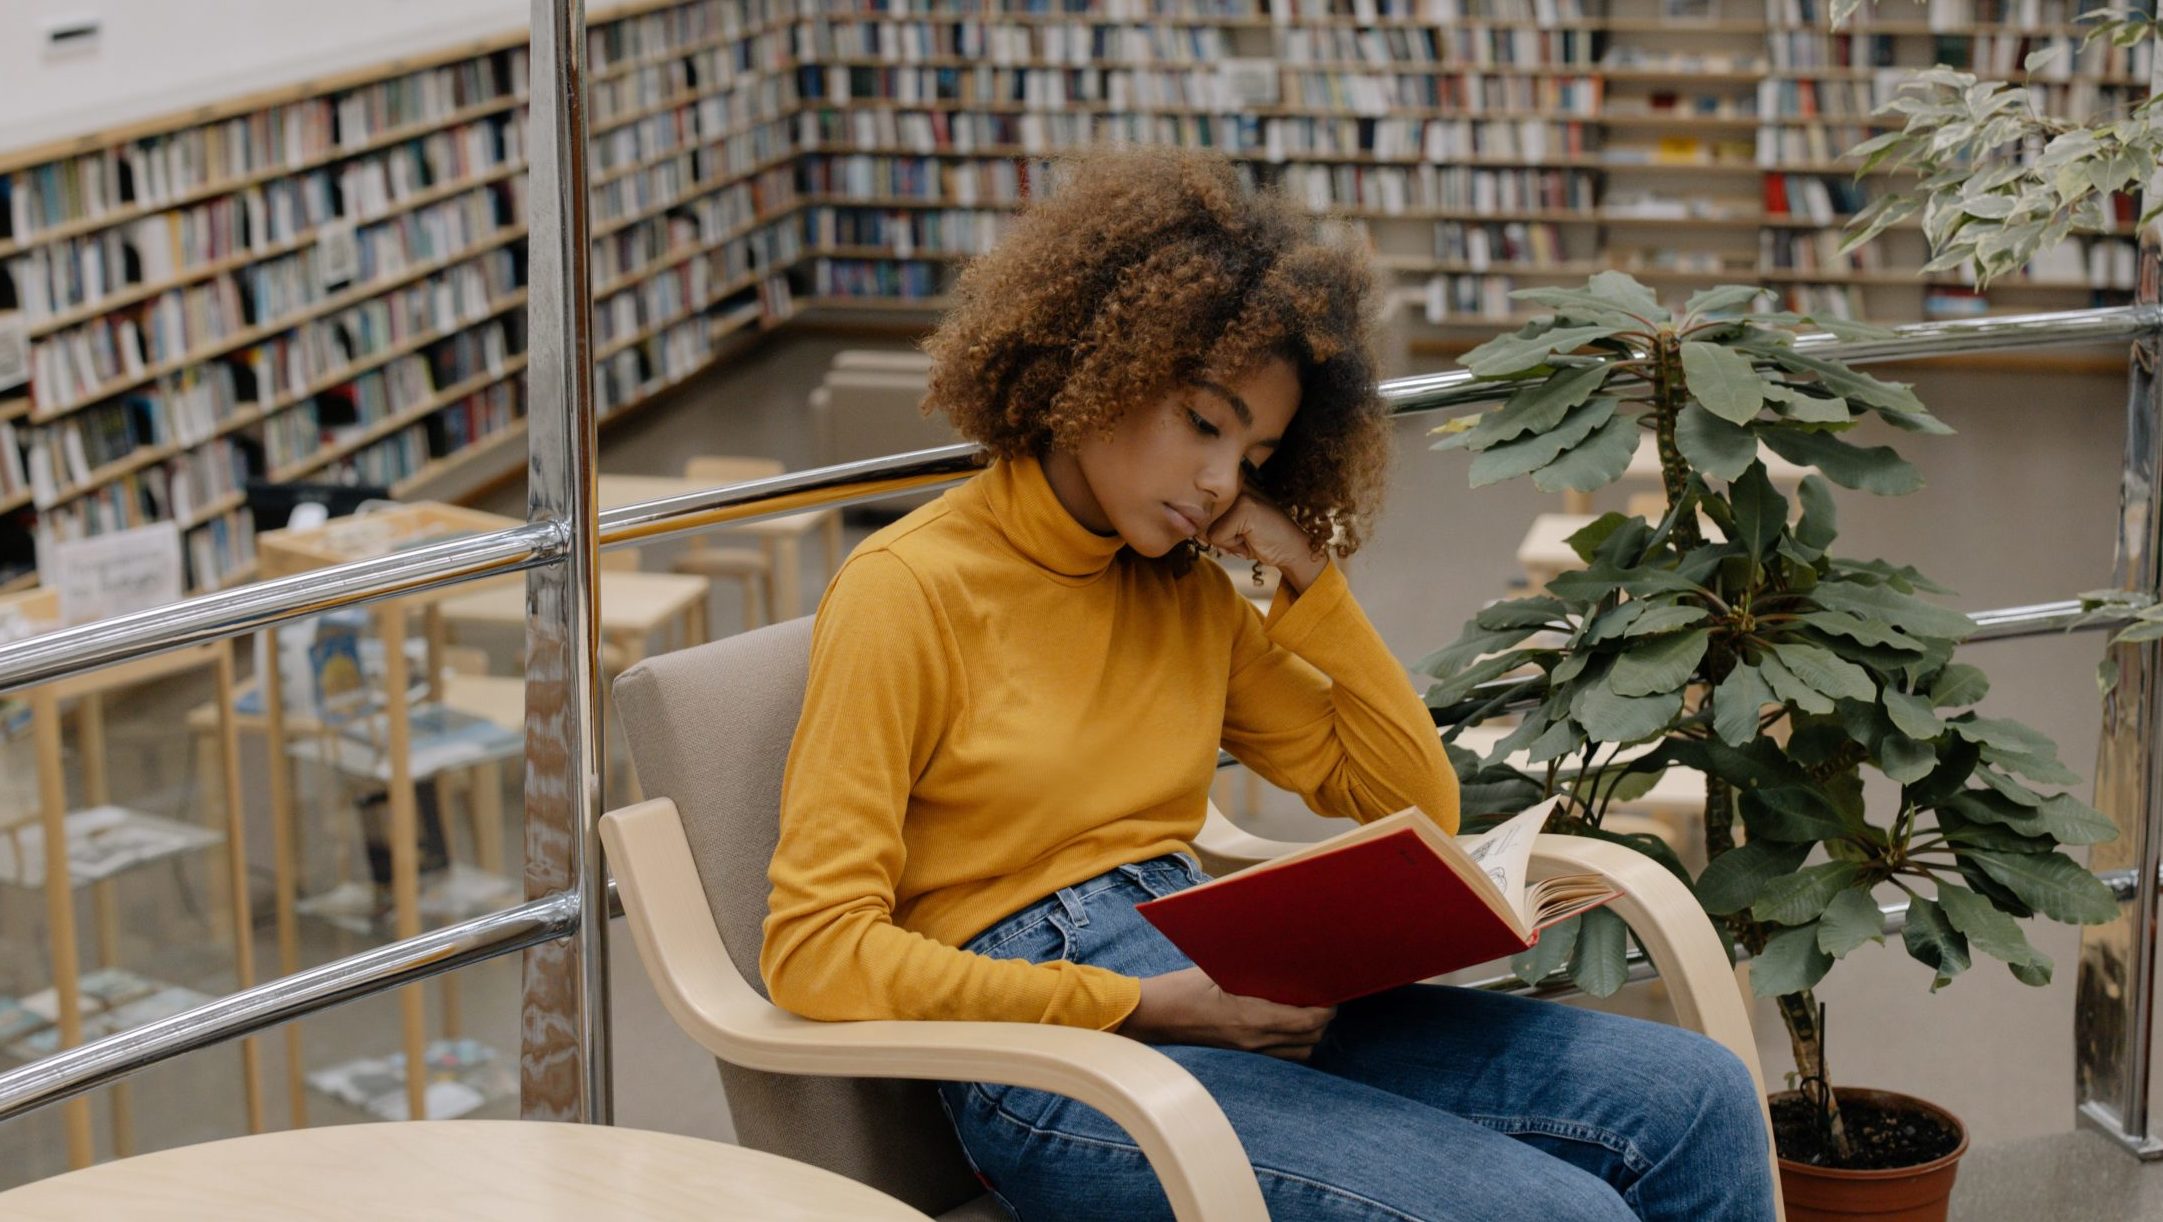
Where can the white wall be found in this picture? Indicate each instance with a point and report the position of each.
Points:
(155, 57)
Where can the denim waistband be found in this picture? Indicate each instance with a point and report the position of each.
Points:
(1152, 878)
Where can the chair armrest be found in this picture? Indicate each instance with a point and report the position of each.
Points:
(1677, 935)
(1189, 1143)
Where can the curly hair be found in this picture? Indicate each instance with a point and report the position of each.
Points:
(1151, 268)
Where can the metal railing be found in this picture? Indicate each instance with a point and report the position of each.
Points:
(564, 1058)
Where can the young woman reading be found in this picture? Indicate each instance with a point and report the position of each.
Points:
(1016, 698)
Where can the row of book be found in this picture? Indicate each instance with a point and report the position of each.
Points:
(262, 219)
(1209, 88)
(1480, 246)
(667, 183)
(2029, 14)
(1377, 93)
(2071, 56)
(655, 361)
(215, 553)
(336, 415)
(1394, 189)
(710, 118)
(406, 453)
(1435, 12)
(1435, 46)
(953, 231)
(906, 280)
(699, 223)
(664, 33)
(1815, 250)
(925, 179)
(657, 85)
(1007, 45)
(155, 171)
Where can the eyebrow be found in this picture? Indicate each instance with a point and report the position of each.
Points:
(1239, 409)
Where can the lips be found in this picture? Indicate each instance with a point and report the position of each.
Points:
(1189, 519)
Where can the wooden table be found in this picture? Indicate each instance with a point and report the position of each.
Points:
(516, 1170)
(779, 537)
(634, 606)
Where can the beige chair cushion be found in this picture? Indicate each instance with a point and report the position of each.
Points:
(710, 728)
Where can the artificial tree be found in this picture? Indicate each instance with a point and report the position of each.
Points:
(1751, 654)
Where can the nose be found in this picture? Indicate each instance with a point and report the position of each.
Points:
(1219, 482)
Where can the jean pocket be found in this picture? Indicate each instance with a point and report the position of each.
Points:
(1045, 936)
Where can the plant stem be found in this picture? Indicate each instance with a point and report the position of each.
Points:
(1669, 396)
(1806, 1038)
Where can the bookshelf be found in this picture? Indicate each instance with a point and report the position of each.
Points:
(327, 281)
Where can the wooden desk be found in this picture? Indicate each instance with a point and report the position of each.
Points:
(634, 606)
(779, 537)
(515, 1170)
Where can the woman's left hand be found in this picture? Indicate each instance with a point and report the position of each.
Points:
(1254, 529)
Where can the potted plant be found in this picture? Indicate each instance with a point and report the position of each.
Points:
(1728, 638)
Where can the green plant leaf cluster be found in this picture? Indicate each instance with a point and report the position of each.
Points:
(1727, 638)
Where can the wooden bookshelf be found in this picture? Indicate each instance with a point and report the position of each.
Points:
(1479, 145)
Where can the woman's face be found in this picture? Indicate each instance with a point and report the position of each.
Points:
(1172, 467)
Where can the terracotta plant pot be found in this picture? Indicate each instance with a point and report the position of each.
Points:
(1896, 1194)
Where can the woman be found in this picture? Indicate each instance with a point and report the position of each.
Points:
(1015, 702)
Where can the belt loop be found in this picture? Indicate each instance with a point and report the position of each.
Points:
(1075, 910)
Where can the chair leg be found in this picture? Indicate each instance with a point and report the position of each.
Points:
(754, 602)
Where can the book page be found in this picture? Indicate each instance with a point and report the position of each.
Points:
(1504, 854)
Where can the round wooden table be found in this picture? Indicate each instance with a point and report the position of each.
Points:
(516, 1170)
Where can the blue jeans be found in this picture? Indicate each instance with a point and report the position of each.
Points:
(1425, 1102)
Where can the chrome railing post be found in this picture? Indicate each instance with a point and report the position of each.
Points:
(2114, 1000)
(563, 1051)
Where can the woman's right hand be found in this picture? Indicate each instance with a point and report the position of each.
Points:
(1187, 1007)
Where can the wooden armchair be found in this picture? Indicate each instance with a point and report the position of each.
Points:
(709, 730)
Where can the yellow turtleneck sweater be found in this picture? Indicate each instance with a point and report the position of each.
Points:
(1002, 703)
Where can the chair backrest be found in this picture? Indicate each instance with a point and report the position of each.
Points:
(709, 728)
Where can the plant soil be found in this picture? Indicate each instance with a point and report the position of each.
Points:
(1884, 1138)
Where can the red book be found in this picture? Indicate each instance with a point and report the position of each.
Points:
(1389, 903)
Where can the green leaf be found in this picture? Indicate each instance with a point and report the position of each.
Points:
(2068, 820)
(1538, 406)
(1599, 963)
(1667, 617)
(2004, 735)
(2052, 884)
(1712, 445)
(1734, 879)
(2041, 769)
(1471, 644)
(1624, 290)
(1611, 718)
(1905, 759)
(1586, 540)
(1760, 512)
(1533, 451)
(1859, 630)
(1790, 689)
(1820, 523)
(1911, 715)
(1987, 929)
(1598, 462)
(1535, 612)
(1737, 703)
(1805, 408)
(1615, 621)
(1577, 305)
(1851, 919)
(1561, 739)
(1516, 352)
(1932, 940)
(1903, 611)
(1793, 814)
(1550, 952)
(1724, 380)
(1876, 470)
(1851, 384)
(1801, 896)
(1460, 684)
(1722, 297)
(1652, 667)
(1826, 671)
(1790, 963)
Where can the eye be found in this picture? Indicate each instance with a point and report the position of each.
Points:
(1202, 426)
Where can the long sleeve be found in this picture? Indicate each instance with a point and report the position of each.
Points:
(884, 686)
(1317, 705)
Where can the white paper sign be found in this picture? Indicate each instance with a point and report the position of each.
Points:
(113, 574)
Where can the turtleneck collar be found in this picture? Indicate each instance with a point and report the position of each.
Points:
(1030, 515)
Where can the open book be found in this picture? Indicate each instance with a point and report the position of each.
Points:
(1388, 903)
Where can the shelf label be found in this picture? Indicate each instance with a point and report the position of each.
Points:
(114, 574)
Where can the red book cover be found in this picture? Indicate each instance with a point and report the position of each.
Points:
(1775, 195)
(1344, 920)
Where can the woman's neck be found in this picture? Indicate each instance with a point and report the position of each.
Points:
(1063, 472)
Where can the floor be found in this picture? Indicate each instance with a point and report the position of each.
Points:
(2021, 508)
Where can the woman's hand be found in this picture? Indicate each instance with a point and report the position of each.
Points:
(1254, 529)
(1187, 1007)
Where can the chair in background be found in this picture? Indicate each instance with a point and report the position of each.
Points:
(709, 729)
